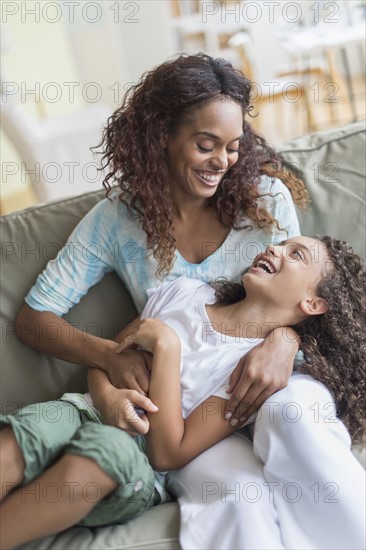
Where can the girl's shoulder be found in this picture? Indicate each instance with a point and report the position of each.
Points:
(186, 285)
(180, 288)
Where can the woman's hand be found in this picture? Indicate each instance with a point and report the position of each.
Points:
(118, 409)
(149, 334)
(130, 369)
(263, 371)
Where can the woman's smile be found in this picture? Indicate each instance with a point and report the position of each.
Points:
(212, 179)
(203, 149)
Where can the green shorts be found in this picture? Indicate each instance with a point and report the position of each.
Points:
(47, 431)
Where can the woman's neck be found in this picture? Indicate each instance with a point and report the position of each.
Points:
(188, 206)
(188, 210)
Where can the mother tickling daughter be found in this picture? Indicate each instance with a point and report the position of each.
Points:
(196, 333)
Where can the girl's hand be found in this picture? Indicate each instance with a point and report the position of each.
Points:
(119, 409)
(263, 371)
(150, 333)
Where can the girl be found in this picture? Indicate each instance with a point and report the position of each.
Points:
(293, 283)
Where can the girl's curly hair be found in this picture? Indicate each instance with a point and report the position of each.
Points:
(334, 343)
(158, 104)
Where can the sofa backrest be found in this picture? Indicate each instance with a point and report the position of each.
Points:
(332, 165)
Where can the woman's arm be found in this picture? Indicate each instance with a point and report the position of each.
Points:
(267, 367)
(172, 441)
(47, 332)
(263, 371)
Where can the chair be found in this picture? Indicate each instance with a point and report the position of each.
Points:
(291, 87)
(56, 152)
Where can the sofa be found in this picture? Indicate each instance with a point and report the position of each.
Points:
(332, 164)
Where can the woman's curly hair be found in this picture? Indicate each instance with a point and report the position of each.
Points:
(158, 104)
(334, 343)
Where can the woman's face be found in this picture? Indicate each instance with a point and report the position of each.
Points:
(204, 149)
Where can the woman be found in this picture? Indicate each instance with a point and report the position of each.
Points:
(300, 282)
(198, 196)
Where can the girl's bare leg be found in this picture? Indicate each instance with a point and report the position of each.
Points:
(11, 462)
(54, 501)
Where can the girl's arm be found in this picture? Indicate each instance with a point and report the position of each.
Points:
(172, 441)
(117, 406)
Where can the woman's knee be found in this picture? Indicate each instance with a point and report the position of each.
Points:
(302, 403)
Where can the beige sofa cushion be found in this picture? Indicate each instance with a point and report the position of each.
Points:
(157, 529)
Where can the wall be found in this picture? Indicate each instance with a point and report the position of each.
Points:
(36, 53)
(96, 48)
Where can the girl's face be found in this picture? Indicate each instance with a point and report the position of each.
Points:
(287, 275)
(204, 149)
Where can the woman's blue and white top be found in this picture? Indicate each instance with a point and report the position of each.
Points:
(109, 239)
